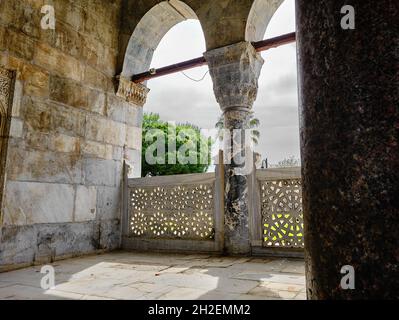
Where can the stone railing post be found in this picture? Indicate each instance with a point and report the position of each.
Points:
(235, 70)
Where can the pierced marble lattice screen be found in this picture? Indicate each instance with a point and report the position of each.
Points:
(172, 212)
(282, 217)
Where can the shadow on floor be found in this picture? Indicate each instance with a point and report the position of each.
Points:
(152, 276)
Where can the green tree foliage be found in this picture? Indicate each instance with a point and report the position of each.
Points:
(185, 135)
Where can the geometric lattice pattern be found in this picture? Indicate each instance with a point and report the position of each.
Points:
(282, 213)
(172, 212)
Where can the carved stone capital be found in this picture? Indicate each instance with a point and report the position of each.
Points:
(235, 70)
(132, 92)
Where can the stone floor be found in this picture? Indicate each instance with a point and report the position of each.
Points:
(131, 275)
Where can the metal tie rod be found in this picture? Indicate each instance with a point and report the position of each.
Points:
(198, 62)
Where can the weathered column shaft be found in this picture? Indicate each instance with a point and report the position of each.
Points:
(349, 101)
(235, 71)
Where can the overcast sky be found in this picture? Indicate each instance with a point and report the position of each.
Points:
(179, 99)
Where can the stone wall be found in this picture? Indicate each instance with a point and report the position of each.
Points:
(69, 131)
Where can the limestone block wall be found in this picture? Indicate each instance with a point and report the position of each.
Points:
(69, 131)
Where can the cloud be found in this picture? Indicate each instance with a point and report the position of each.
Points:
(179, 99)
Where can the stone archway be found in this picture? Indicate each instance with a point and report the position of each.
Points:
(143, 42)
(150, 31)
(259, 17)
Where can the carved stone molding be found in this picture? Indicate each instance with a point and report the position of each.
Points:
(132, 92)
(6, 94)
(235, 70)
(5, 87)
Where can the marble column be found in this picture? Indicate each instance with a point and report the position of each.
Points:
(349, 101)
(235, 70)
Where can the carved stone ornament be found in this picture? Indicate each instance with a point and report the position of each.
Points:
(5, 87)
(132, 92)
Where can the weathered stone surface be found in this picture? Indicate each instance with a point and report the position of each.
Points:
(259, 17)
(65, 144)
(117, 153)
(58, 62)
(63, 80)
(123, 275)
(85, 204)
(99, 56)
(100, 172)
(36, 81)
(116, 108)
(120, 110)
(134, 116)
(16, 128)
(107, 131)
(20, 45)
(69, 128)
(108, 203)
(109, 232)
(71, 14)
(349, 128)
(30, 165)
(68, 41)
(25, 244)
(46, 117)
(133, 159)
(18, 245)
(68, 92)
(97, 102)
(97, 79)
(74, 94)
(133, 138)
(238, 157)
(235, 70)
(97, 149)
(42, 243)
(21, 16)
(28, 203)
(3, 45)
(18, 94)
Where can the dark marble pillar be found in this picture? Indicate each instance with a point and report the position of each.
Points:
(235, 71)
(349, 100)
